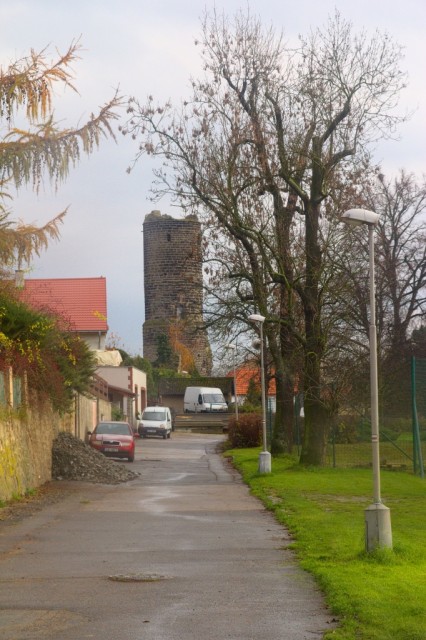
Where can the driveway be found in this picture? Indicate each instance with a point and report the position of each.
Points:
(182, 553)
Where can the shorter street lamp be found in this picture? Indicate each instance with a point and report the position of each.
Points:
(378, 531)
(233, 347)
(264, 456)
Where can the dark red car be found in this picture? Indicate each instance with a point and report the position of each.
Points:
(114, 439)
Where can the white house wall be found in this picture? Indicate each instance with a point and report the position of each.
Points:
(130, 379)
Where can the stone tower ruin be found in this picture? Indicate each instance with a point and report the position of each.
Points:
(173, 281)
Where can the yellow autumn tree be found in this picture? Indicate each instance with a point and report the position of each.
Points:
(42, 148)
(186, 359)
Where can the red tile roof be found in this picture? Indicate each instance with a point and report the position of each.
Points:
(244, 374)
(82, 302)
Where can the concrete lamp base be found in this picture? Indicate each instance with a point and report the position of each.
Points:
(378, 530)
(264, 462)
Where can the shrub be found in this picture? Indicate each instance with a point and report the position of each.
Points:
(247, 407)
(246, 431)
(350, 429)
(116, 413)
(57, 361)
(253, 399)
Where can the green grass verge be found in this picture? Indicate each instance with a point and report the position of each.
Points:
(380, 596)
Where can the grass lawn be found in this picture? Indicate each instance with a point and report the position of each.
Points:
(380, 596)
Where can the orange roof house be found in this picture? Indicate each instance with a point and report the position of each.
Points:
(246, 372)
(81, 302)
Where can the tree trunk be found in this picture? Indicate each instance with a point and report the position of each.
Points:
(282, 436)
(316, 414)
(317, 418)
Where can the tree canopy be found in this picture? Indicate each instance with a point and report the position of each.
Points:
(33, 146)
(56, 362)
(263, 150)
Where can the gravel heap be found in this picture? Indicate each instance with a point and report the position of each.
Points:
(72, 459)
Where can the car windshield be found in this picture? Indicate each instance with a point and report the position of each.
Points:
(213, 397)
(114, 429)
(154, 415)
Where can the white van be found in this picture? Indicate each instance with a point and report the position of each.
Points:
(203, 399)
(155, 421)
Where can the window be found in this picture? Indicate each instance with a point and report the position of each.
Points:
(122, 429)
(157, 416)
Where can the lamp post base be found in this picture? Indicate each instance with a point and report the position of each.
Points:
(264, 462)
(378, 530)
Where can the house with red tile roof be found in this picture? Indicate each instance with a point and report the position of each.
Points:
(251, 371)
(81, 302)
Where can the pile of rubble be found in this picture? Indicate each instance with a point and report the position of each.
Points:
(72, 459)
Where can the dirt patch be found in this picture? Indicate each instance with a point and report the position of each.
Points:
(49, 493)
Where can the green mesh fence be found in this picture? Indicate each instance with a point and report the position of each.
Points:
(418, 397)
(402, 421)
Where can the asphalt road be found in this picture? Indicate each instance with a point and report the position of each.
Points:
(182, 553)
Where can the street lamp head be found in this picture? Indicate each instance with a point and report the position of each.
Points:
(231, 346)
(255, 317)
(355, 217)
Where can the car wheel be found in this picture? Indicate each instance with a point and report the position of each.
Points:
(131, 458)
(169, 434)
(165, 436)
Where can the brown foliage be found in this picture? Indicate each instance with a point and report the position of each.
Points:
(246, 431)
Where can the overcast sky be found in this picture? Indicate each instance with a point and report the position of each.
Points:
(145, 47)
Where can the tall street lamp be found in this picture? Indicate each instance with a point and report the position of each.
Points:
(264, 456)
(234, 355)
(378, 530)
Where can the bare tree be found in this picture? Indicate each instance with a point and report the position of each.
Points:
(256, 150)
(400, 277)
(401, 240)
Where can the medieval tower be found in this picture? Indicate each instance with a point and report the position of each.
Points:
(173, 280)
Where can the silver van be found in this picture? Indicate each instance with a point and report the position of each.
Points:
(155, 421)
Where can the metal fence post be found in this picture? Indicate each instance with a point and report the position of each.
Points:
(417, 446)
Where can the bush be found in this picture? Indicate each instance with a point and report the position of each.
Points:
(246, 432)
(116, 414)
(350, 429)
(244, 408)
(247, 407)
(56, 360)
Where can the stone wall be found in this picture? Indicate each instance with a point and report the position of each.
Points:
(26, 437)
(173, 282)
